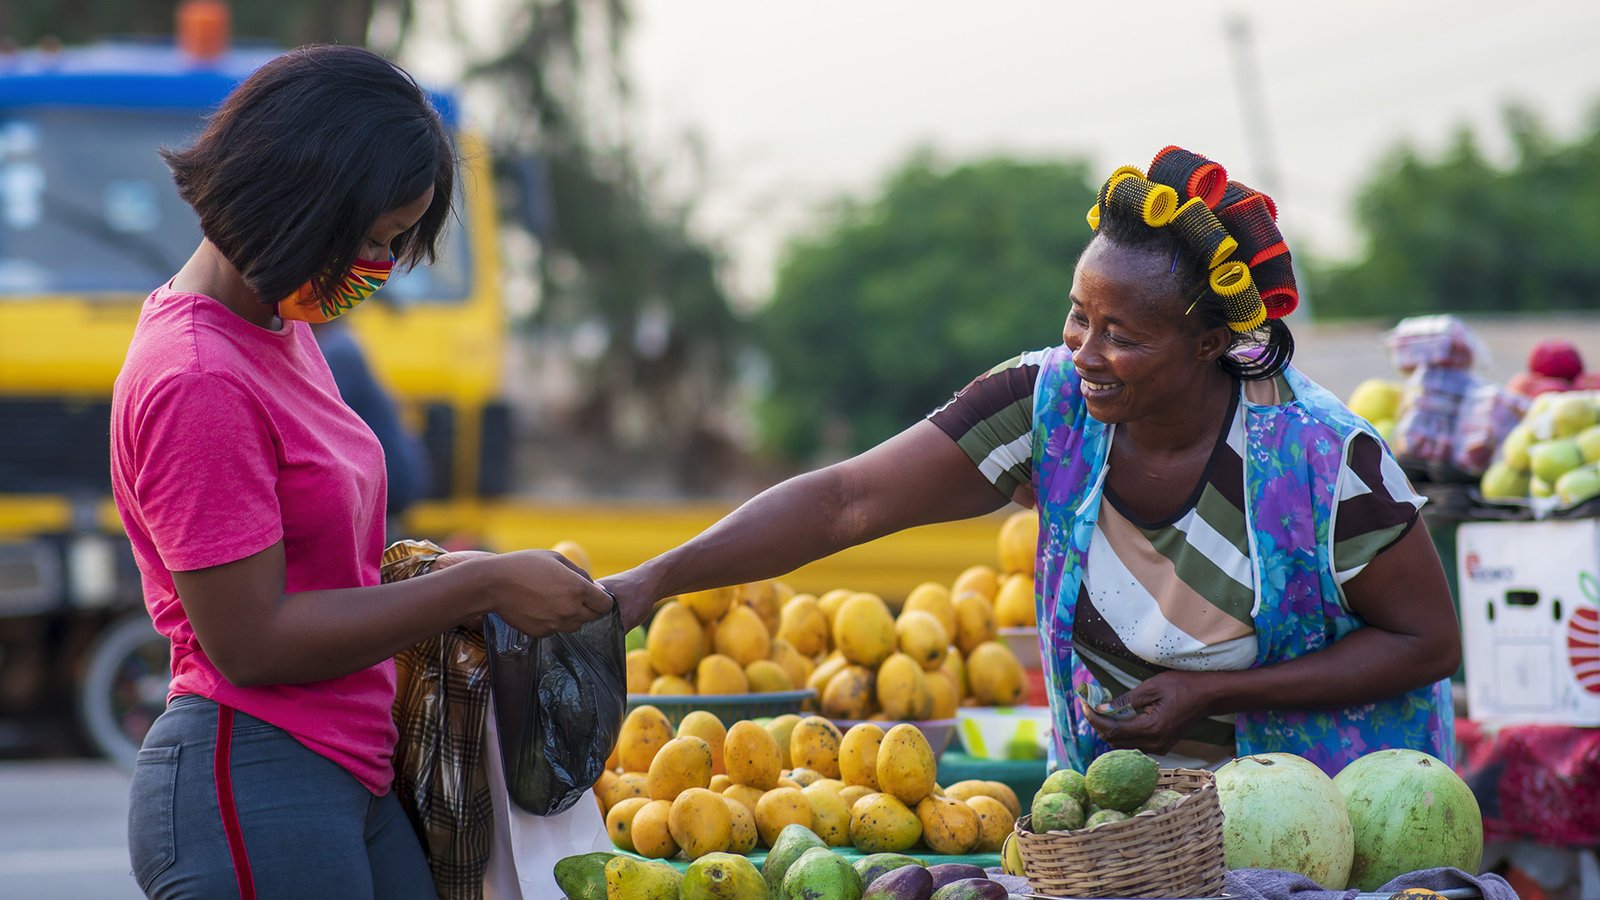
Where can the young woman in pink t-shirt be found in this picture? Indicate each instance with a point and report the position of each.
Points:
(254, 498)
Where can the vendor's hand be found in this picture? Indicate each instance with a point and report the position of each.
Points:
(1168, 703)
(539, 592)
(634, 597)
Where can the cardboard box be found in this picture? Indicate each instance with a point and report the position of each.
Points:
(1530, 615)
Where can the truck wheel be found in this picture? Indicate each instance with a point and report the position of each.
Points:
(124, 687)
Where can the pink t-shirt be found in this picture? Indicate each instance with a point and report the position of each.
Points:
(225, 439)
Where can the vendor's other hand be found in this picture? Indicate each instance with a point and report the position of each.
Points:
(539, 592)
(456, 557)
(1168, 703)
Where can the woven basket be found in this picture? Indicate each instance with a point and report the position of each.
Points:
(1176, 852)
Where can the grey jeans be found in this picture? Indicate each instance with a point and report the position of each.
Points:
(277, 821)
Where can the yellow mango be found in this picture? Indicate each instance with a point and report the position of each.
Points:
(830, 817)
(906, 766)
(824, 672)
(603, 788)
(803, 776)
(858, 755)
(742, 636)
(995, 824)
(903, 689)
(795, 664)
(814, 744)
(934, 599)
(982, 580)
(751, 756)
(1019, 543)
(880, 823)
(762, 599)
(830, 602)
(652, 833)
(719, 674)
(619, 822)
(1013, 606)
(832, 784)
(974, 621)
(682, 764)
(967, 791)
(955, 666)
(778, 808)
(864, 631)
(709, 606)
(849, 694)
(671, 686)
(628, 785)
(767, 677)
(644, 731)
(745, 795)
(640, 675)
(948, 826)
(921, 636)
(781, 727)
(942, 691)
(742, 836)
(720, 781)
(804, 626)
(701, 823)
(996, 675)
(708, 728)
(850, 793)
(676, 640)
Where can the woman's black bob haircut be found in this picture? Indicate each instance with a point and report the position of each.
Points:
(301, 160)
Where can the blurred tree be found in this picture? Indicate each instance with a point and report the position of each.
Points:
(1458, 234)
(896, 303)
(614, 258)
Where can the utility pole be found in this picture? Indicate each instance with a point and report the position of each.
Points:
(1258, 131)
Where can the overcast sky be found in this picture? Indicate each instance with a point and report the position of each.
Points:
(799, 103)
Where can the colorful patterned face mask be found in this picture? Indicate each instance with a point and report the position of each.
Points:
(361, 282)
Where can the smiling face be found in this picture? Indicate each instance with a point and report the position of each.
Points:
(1136, 351)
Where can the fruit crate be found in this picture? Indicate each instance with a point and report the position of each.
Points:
(728, 708)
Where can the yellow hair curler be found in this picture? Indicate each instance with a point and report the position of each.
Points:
(1231, 279)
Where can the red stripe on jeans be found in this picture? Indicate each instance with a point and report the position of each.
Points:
(230, 812)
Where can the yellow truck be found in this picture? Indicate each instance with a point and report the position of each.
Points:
(89, 224)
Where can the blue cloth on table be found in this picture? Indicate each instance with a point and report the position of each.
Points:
(1272, 884)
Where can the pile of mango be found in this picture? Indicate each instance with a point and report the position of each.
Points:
(865, 658)
(708, 790)
(799, 868)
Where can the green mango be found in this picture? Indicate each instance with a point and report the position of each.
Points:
(821, 874)
(641, 879)
(874, 865)
(722, 876)
(792, 841)
(583, 877)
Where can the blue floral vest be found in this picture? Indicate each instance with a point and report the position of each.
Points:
(1293, 456)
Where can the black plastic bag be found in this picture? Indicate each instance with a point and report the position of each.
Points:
(558, 702)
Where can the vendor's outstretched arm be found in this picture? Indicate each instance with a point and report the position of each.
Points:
(917, 477)
(1411, 639)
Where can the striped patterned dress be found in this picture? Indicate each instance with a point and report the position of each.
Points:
(1175, 593)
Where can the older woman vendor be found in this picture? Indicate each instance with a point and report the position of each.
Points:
(1223, 544)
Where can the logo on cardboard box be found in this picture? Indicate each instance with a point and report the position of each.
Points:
(1477, 571)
